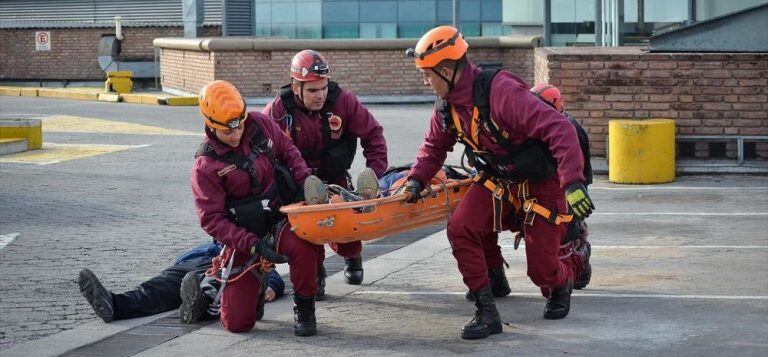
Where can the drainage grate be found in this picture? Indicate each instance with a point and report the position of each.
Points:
(140, 338)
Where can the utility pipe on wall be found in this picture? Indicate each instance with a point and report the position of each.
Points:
(118, 28)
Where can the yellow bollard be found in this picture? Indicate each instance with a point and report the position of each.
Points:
(641, 151)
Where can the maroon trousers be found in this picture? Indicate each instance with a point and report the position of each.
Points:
(239, 300)
(475, 244)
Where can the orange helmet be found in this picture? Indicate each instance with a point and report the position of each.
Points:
(308, 66)
(550, 95)
(439, 43)
(221, 105)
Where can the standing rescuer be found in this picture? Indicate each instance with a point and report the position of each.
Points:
(530, 168)
(325, 121)
(245, 169)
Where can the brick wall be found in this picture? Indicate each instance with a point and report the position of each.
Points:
(73, 51)
(364, 72)
(706, 93)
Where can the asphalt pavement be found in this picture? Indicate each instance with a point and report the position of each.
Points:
(679, 268)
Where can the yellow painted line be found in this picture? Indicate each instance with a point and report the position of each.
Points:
(52, 153)
(75, 124)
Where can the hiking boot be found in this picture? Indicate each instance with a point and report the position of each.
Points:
(315, 192)
(320, 295)
(304, 315)
(262, 299)
(498, 283)
(193, 302)
(353, 270)
(586, 273)
(487, 320)
(559, 302)
(98, 297)
(367, 184)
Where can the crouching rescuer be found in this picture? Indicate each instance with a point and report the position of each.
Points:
(244, 170)
(531, 174)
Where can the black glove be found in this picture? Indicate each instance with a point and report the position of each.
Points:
(266, 250)
(578, 199)
(414, 188)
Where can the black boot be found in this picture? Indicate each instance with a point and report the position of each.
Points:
(194, 303)
(487, 320)
(304, 314)
(262, 299)
(499, 283)
(353, 270)
(559, 302)
(320, 296)
(98, 296)
(586, 274)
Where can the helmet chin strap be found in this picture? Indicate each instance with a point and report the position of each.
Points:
(451, 83)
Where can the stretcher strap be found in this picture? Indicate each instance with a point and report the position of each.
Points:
(520, 201)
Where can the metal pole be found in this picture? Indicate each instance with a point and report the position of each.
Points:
(619, 23)
(547, 22)
(691, 12)
(456, 20)
(641, 18)
(157, 69)
(598, 22)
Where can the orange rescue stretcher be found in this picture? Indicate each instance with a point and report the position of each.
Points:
(376, 218)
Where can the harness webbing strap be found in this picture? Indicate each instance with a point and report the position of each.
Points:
(520, 201)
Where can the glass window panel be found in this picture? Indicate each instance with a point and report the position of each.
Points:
(378, 11)
(573, 11)
(284, 13)
(284, 30)
(416, 11)
(523, 11)
(707, 9)
(309, 30)
(491, 10)
(340, 11)
(470, 28)
(340, 30)
(263, 30)
(492, 29)
(263, 13)
(308, 12)
(444, 12)
(413, 30)
(380, 30)
(666, 10)
(469, 10)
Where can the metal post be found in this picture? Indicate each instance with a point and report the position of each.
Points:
(548, 22)
(619, 23)
(740, 148)
(641, 17)
(157, 69)
(598, 22)
(456, 20)
(691, 12)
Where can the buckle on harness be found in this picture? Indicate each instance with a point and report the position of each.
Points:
(529, 213)
(552, 219)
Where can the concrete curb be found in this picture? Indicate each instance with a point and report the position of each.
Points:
(96, 95)
(13, 146)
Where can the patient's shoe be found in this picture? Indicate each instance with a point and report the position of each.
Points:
(367, 184)
(315, 192)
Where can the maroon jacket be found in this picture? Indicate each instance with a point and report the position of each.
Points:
(356, 120)
(515, 110)
(210, 190)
